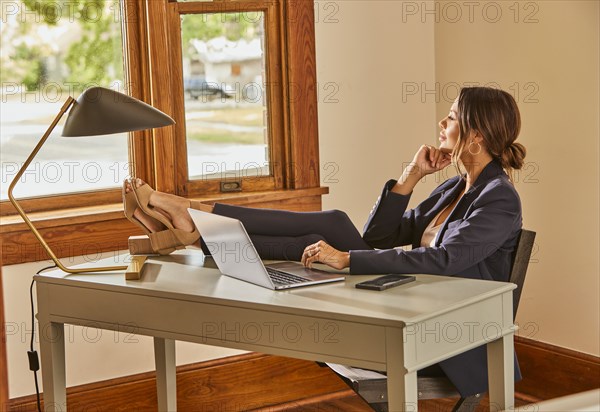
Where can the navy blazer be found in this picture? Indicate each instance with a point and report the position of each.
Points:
(476, 241)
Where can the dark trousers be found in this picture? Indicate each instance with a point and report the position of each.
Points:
(283, 235)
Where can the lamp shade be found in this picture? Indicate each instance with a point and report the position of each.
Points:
(100, 111)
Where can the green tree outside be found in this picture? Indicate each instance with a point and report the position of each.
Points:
(97, 56)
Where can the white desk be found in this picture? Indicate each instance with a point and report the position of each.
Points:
(179, 297)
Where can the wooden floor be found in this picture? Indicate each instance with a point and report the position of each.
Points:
(442, 405)
(248, 382)
(348, 401)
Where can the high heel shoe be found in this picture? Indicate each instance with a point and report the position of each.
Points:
(139, 244)
(142, 195)
(162, 242)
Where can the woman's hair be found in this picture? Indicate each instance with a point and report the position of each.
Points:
(495, 115)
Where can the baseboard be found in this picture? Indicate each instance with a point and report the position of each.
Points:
(246, 382)
(551, 371)
(237, 383)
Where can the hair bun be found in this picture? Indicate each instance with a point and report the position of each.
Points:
(514, 156)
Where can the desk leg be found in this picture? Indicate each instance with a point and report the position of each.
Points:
(401, 386)
(52, 352)
(501, 373)
(166, 380)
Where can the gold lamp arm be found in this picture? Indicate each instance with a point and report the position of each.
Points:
(21, 212)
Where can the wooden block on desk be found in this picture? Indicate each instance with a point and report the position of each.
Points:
(134, 270)
(140, 245)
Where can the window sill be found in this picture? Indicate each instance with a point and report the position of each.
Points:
(91, 230)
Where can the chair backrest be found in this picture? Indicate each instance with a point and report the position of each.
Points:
(519, 264)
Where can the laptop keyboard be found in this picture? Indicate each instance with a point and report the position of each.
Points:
(283, 278)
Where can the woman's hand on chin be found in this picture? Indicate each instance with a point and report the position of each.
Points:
(430, 159)
(324, 253)
(427, 160)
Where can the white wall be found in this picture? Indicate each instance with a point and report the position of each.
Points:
(367, 53)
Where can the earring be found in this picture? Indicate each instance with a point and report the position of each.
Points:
(469, 148)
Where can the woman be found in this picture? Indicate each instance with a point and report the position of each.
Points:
(467, 227)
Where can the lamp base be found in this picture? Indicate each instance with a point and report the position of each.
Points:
(134, 270)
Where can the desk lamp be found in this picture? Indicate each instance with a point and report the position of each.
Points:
(97, 111)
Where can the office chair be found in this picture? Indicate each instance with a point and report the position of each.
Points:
(374, 391)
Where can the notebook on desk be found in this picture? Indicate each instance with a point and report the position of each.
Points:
(235, 256)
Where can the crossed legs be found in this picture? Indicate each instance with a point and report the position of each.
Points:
(276, 234)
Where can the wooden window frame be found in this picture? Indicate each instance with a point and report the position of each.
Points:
(276, 67)
(69, 222)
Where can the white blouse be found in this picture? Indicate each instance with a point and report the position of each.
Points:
(431, 231)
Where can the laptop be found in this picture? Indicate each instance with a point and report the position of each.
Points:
(235, 256)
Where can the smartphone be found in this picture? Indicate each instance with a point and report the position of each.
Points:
(385, 282)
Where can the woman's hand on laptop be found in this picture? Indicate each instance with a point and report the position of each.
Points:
(324, 253)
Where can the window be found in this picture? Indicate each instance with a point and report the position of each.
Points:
(231, 136)
(50, 52)
(226, 109)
